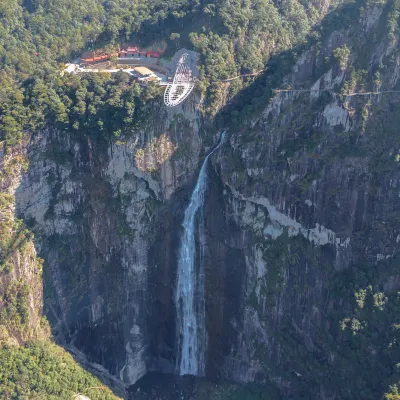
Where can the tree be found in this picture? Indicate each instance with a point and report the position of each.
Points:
(114, 59)
(342, 54)
(175, 37)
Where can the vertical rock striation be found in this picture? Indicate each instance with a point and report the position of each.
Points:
(301, 220)
(21, 288)
(96, 214)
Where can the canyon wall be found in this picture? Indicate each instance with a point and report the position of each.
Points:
(301, 214)
(97, 210)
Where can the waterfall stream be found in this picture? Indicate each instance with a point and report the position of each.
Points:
(189, 298)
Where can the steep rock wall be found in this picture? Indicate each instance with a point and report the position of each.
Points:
(21, 289)
(301, 214)
(310, 199)
(97, 209)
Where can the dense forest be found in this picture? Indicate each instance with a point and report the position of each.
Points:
(233, 37)
(36, 38)
(44, 371)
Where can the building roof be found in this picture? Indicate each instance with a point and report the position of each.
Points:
(97, 58)
(144, 71)
(153, 53)
(127, 48)
(90, 56)
(131, 48)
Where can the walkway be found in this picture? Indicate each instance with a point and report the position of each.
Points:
(76, 69)
(335, 93)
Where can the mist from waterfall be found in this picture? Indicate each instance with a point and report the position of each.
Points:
(189, 297)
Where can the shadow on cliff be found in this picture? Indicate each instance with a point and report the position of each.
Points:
(224, 269)
(249, 103)
(76, 268)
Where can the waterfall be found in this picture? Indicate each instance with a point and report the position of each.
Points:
(189, 298)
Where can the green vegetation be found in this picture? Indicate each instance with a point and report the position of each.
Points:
(42, 370)
(243, 36)
(15, 312)
(36, 370)
(393, 394)
(93, 104)
(354, 352)
(342, 54)
(369, 342)
(35, 35)
(16, 248)
(393, 25)
(253, 99)
(234, 37)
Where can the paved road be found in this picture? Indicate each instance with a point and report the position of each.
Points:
(144, 63)
(162, 71)
(193, 60)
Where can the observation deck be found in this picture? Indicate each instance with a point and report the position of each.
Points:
(182, 84)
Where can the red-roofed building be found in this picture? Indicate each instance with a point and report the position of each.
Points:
(131, 51)
(153, 54)
(91, 57)
(135, 51)
(127, 51)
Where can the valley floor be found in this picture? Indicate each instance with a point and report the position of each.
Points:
(157, 386)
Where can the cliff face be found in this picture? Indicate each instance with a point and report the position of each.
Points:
(310, 198)
(97, 210)
(301, 221)
(21, 292)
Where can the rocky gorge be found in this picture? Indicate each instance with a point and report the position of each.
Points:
(301, 225)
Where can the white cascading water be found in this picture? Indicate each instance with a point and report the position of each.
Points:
(189, 298)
